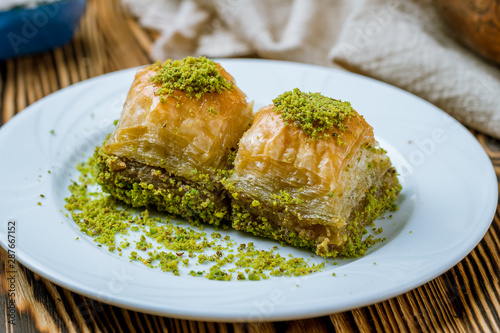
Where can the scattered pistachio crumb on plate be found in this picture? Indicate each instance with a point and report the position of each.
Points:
(160, 243)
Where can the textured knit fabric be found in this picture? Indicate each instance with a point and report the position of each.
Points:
(401, 42)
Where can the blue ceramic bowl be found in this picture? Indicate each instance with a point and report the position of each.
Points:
(36, 29)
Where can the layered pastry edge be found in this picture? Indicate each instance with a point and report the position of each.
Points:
(174, 142)
(319, 192)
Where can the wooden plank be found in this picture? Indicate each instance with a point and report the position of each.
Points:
(464, 299)
(60, 307)
(9, 93)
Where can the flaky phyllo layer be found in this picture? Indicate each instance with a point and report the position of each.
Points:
(179, 132)
(176, 137)
(310, 179)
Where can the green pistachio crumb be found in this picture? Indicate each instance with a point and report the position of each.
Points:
(212, 111)
(98, 215)
(194, 76)
(314, 113)
(255, 203)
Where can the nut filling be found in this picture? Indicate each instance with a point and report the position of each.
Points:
(141, 185)
(280, 223)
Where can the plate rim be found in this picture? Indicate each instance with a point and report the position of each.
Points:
(32, 265)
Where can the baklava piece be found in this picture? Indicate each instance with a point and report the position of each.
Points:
(309, 173)
(176, 137)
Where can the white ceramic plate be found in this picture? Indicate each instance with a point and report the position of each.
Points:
(448, 200)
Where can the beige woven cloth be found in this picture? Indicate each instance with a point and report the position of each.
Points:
(401, 42)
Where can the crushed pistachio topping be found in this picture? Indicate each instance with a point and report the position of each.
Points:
(171, 246)
(212, 111)
(194, 76)
(314, 113)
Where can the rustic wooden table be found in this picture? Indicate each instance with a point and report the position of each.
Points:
(466, 298)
